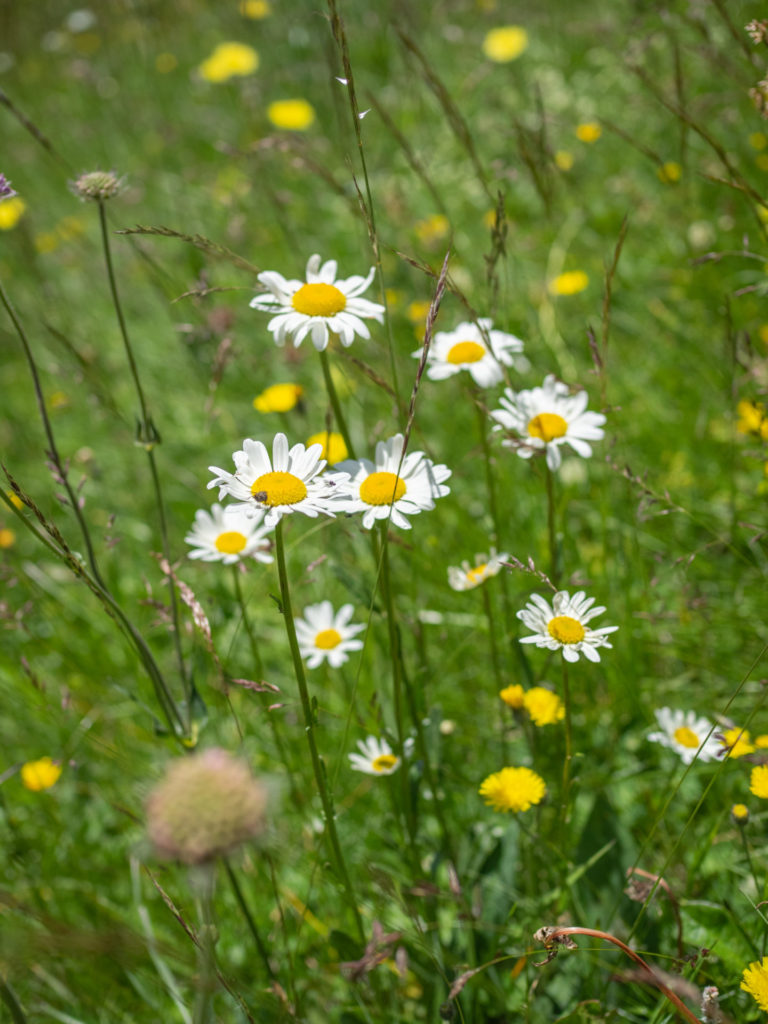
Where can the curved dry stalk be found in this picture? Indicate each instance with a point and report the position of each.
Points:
(642, 892)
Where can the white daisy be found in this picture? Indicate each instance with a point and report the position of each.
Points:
(376, 488)
(546, 418)
(228, 535)
(563, 625)
(687, 734)
(327, 636)
(287, 483)
(376, 757)
(473, 347)
(468, 577)
(317, 306)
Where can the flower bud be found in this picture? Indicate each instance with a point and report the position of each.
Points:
(97, 185)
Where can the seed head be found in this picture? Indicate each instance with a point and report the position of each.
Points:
(206, 805)
(97, 185)
(757, 31)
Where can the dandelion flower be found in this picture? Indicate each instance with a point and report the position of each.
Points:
(752, 419)
(318, 306)
(505, 43)
(205, 806)
(740, 814)
(544, 706)
(473, 347)
(758, 781)
(513, 789)
(736, 742)
(278, 398)
(41, 774)
(228, 536)
(569, 283)
(385, 486)
(466, 577)
(375, 758)
(588, 131)
(325, 635)
(256, 9)
(289, 482)
(333, 445)
(229, 60)
(291, 115)
(563, 625)
(755, 981)
(513, 696)
(687, 734)
(11, 212)
(546, 418)
(7, 537)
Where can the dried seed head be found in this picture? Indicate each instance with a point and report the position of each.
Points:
(710, 1005)
(206, 805)
(97, 185)
(757, 31)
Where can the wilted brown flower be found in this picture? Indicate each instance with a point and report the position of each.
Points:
(206, 805)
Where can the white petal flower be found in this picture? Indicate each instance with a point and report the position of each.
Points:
(687, 733)
(376, 488)
(228, 535)
(327, 636)
(468, 577)
(375, 757)
(476, 348)
(562, 626)
(546, 418)
(317, 306)
(289, 482)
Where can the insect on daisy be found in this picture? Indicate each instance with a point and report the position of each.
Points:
(466, 577)
(228, 536)
(327, 636)
(473, 347)
(562, 626)
(318, 306)
(375, 758)
(687, 733)
(288, 482)
(385, 486)
(546, 418)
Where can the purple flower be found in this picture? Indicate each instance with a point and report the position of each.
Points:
(6, 192)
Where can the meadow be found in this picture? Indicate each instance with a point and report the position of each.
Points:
(441, 694)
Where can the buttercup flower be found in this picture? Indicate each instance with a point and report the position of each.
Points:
(327, 636)
(375, 757)
(377, 488)
(758, 781)
(11, 212)
(547, 418)
(41, 774)
(473, 347)
(318, 306)
(289, 482)
(466, 577)
(513, 696)
(205, 806)
(278, 398)
(588, 131)
(333, 445)
(228, 536)
(735, 742)
(228, 60)
(687, 734)
(544, 706)
(291, 115)
(505, 43)
(513, 789)
(563, 625)
(571, 282)
(755, 981)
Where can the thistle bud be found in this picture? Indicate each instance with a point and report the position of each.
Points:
(97, 185)
(206, 805)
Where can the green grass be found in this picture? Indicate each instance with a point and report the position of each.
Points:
(664, 525)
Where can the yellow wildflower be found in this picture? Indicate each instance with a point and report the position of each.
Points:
(11, 212)
(588, 131)
(278, 398)
(752, 419)
(505, 43)
(570, 283)
(7, 537)
(513, 789)
(755, 981)
(40, 774)
(669, 172)
(740, 814)
(738, 741)
(514, 696)
(758, 781)
(255, 9)
(292, 115)
(334, 448)
(227, 60)
(432, 229)
(544, 706)
(564, 159)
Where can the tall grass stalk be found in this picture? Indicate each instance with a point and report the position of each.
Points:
(333, 398)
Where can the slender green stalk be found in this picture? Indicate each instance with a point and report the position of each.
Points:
(554, 560)
(309, 728)
(748, 855)
(258, 667)
(249, 920)
(498, 674)
(566, 784)
(148, 437)
(333, 398)
(206, 963)
(12, 1004)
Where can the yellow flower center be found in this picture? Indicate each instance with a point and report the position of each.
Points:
(547, 426)
(278, 488)
(319, 300)
(231, 543)
(327, 639)
(476, 575)
(686, 737)
(465, 352)
(381, 764)
(566, 630)
(381, 489)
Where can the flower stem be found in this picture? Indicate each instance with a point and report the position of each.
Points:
(488, 608)
(309, 728)
(333, 398)
(206, 964)
(554, 560)
(566, 785)
(252, 928)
